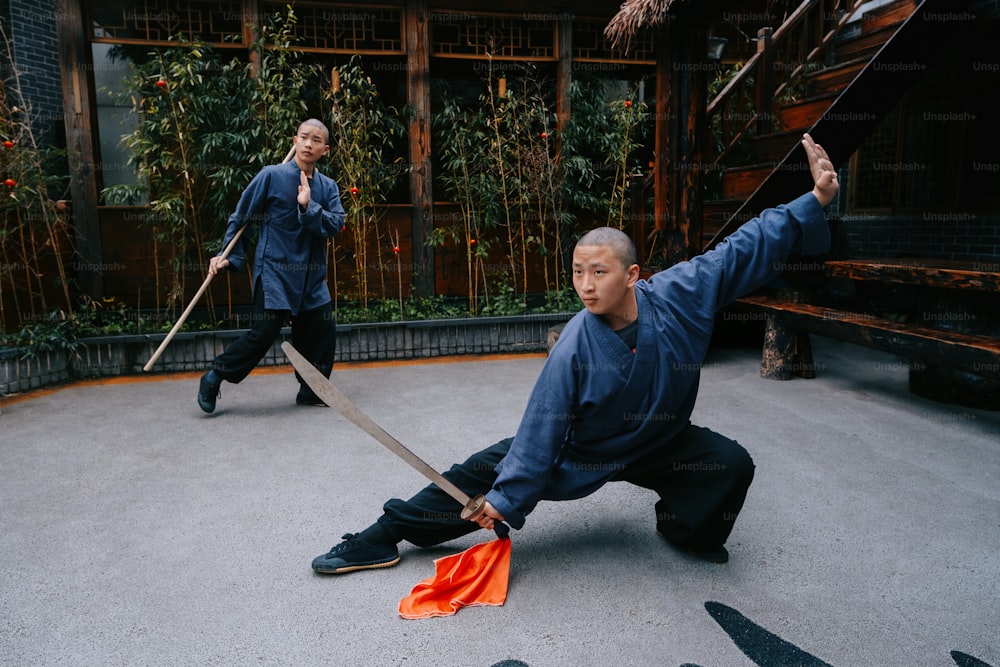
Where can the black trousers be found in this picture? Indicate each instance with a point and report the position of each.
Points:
(701, 477)
(314, 334)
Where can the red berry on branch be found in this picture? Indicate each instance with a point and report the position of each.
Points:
(161, 84)
(10, 182)
(354, 192)
(472, 241)
(628, 103)
(395, 249)
(8, 144)
(545, 135)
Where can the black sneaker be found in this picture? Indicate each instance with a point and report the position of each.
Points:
(309, 399)
(717, 554)
(209, 390)
(355, 554)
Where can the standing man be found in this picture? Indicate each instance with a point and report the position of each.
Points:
(614, 399)
(296, 209)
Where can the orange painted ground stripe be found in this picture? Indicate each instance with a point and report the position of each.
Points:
(263, 370)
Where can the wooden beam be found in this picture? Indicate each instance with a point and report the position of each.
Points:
(681, 101)
(564, 73)
(564, 111)
(940, 273)
(251, 32)
(76, 63)
(661, 143)
(693, 121)
(418, 94)
(976, 353)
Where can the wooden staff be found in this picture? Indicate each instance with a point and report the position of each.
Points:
(201, 290)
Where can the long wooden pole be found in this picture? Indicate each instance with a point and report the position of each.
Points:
(201, 290)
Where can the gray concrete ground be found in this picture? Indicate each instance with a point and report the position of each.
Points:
(139, 531)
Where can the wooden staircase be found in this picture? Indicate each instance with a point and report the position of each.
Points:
(946, 334)
(838, 92)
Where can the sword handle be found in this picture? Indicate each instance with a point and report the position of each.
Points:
(475, 506)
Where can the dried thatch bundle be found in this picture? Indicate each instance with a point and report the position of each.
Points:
(633, 15)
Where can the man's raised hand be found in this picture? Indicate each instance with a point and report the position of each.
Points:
(304, 190)
(825, 185)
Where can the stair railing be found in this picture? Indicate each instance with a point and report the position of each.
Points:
(781, 58)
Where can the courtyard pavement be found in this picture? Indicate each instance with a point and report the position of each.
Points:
(137, 530)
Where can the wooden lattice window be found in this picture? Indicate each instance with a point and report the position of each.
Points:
(911, 161)
(346, 29)
(460, 35)
(152, 21)
(590, 44)
(874, 178)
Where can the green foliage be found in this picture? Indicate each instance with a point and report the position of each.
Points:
(384, 310)
(365, 135)
(204, 126)
(565, 300)
(602, 142)
(459, 135)
(516, 194)
(52, 334)
(34, 234)
(505, 300)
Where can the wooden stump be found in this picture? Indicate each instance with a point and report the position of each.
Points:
(552, 336)
(778, 355)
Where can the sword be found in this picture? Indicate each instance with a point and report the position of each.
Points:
(322, 387)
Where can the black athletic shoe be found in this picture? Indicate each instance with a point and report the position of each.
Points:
(717, 554)
(310, 398)
(208, 391)
(355, 554)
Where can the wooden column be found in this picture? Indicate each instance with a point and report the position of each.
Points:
(662, 221)
(680, 161)
(564, 72)
(564, 76)
(251, 19)
(76, 63)
(418, 96)
(692, 117)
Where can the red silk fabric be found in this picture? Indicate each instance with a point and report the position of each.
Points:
(476, 577)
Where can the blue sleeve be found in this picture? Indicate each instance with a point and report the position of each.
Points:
(758, 251)
(540, 437)
(324, 219)
(248, 208)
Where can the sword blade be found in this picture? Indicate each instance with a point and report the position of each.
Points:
(339, 402)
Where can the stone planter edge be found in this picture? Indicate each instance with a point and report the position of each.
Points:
(110, 356)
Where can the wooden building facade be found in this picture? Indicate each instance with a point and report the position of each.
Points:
(405, 46)
(695, 190)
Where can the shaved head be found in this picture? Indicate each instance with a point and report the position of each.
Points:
(316, 123)
(615, 239)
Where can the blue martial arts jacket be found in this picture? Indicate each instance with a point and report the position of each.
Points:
(290, 260)
(597, 406)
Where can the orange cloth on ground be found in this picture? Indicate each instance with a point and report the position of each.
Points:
(475, 577)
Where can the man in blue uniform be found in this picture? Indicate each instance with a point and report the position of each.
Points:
(296, 209)
(613, 401)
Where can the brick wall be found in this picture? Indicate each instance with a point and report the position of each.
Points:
(959, 235)
(31, 30)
